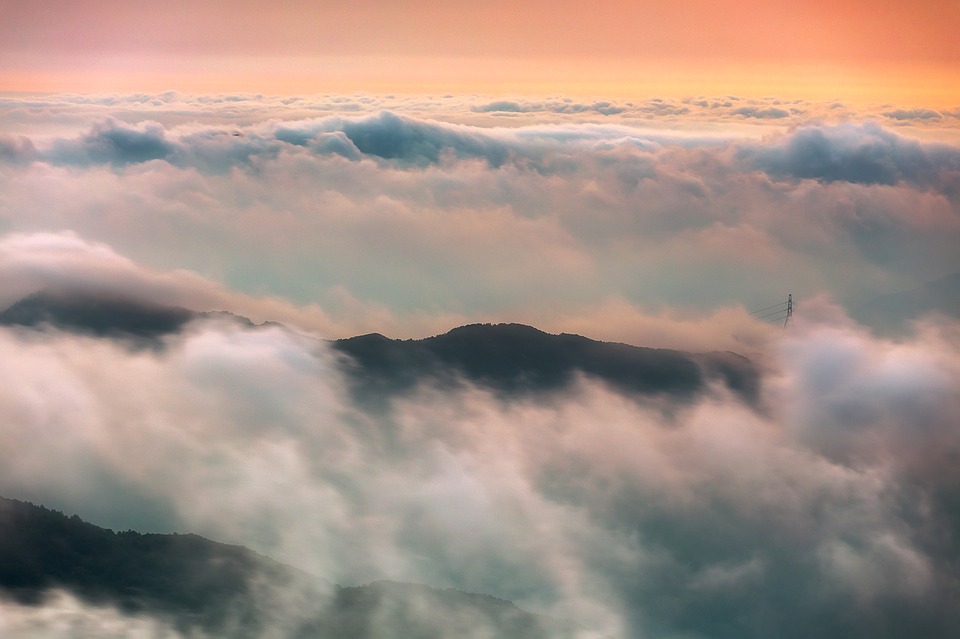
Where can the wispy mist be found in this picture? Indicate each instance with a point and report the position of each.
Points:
(827, 511)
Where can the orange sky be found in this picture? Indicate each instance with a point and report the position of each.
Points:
(873, 50)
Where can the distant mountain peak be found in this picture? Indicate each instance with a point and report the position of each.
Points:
(509, 358)
(516, 358)
(96, 313)
(104, 314)
(502, 328)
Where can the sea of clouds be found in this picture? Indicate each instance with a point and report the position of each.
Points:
(831, 508)
(827, 510)
(406, 217)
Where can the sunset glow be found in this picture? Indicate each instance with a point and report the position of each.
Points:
(820, 50)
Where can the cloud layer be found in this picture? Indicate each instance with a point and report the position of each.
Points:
(389, 219)
(829, 511)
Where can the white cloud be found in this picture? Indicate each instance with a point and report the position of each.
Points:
(589, 505)
(63, 616)
(653, 223)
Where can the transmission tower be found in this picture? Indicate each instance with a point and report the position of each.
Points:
(781, 312)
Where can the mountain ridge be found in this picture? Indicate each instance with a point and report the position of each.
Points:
(510, 358)
(518, 359)
(106, 314)
(195, 583)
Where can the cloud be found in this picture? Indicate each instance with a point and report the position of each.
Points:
(66, 263)
(114, 143)
(913, 114)
(507, 106)
(562, 106)
(337, 143)
(412, 220)
(63, 616)
(385, 135)
(392, 137)
(30, 114)
(762, 113)
(827, 511)
(863, 154)
(634, 519)
(16, 150)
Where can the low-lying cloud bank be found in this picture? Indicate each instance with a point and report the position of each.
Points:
(869, 153)
(241, 109)
(830, 511)
(391, 215)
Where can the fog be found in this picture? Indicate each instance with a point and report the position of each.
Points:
(827, 508)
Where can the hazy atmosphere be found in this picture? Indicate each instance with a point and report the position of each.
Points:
(611, 175)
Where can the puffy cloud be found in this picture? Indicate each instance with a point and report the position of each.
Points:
(508, 106)
(562, 106)
(913, 114)
(864, 154)
(405, 216)
(111, 142)
(389, 136)
(16, 150)
(65, 263)
(761, 113)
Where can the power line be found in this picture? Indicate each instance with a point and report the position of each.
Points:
(776, 313)
(771, 314)
(760, 310)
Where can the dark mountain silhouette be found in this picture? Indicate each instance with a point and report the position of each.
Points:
(230, 591)
(193, 580)
(508, 358)
(514, 358)
(100, 315)
(105, 315)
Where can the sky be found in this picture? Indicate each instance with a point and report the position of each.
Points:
(881, 50)
(642, 173)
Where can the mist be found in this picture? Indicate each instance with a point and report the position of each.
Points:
(827, 510)
(826, 505)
